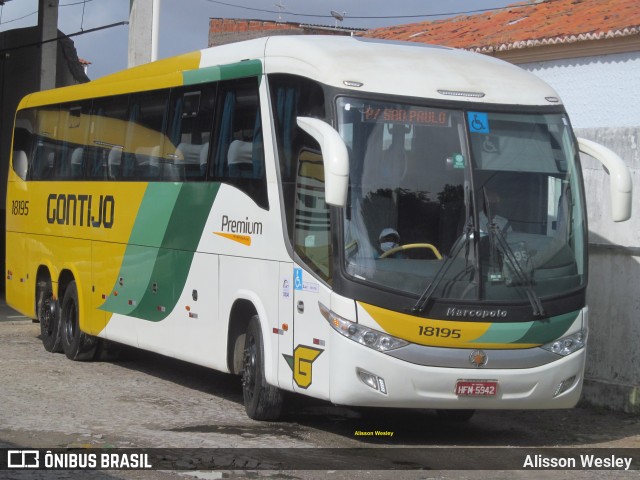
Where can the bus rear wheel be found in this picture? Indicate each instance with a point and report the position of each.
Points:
(49, 318)
(76, 344)
(261, 400)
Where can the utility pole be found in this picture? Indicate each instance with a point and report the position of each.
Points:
(48, 29)
(144, 21)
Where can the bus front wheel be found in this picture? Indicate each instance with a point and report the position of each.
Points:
(76, 344)
(261, 400)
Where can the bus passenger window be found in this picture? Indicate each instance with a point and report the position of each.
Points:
(109, 121)
(238, 151)
(191, 122)
(145, 133)
(23, 139)
(47, 147)
(75, 120)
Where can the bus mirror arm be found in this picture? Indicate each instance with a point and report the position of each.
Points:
(335, 158)
(619, 178)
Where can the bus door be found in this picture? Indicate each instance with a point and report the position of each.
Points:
(309, 361)
(284, 328)
(312, 243)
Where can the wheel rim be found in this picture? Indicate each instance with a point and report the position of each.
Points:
(70, 321)
(250, 368)
(46, 316)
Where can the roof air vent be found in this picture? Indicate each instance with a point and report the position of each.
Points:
(458, 93)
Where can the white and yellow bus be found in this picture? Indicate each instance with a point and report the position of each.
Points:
(365, 222)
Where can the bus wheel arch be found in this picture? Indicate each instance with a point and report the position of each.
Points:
(76, 344)
(241, 313)
(48, 311)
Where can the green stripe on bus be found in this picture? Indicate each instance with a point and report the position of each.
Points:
(248, 68)
(158, 259)
(135, 279)
(538, 332)
(141, 254)
(180, 242)
(504, 332)
(547, 330)
(154, 213)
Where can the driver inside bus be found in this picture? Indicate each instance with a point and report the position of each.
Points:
(389, 239)
(490, 206)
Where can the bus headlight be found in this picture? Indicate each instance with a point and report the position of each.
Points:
(363, 335)
(567, 345)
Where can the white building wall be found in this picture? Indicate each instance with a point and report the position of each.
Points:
(599, 91)
(602, 97)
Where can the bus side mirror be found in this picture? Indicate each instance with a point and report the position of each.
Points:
(20, 163)
(335, 158)
(619, 178)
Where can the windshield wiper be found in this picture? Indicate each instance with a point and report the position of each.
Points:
(444, 268)
(523, 280)
(462, 241)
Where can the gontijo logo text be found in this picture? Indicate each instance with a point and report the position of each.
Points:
(81, 210)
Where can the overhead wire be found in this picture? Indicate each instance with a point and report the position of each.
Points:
(61, 37)
(371, 17)
(36, 12)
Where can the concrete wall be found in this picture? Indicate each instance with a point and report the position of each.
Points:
(598, 91)
(602, 96)
(613, 360)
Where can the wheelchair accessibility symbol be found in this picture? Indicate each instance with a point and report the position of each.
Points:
(299, 284)
(297, 279)
(478, 122)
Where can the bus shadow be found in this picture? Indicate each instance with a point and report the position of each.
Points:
(581, 426)
(182, 373)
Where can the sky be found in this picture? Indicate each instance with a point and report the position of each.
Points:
(184, 24)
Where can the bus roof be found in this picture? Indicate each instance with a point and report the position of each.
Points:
(401, 68)
(415, 69)
(355, 63)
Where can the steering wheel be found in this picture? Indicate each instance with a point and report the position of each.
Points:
(410, 246)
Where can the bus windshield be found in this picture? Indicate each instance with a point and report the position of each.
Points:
(472, 205)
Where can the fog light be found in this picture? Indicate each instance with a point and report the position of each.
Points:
(565, 385)
(368, 379)
(373, 381)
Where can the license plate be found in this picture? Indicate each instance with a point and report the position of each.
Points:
(476, 388)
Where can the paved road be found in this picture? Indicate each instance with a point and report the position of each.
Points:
(145, 400)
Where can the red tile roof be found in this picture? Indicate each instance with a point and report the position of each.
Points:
(234, 25)
(528, 24)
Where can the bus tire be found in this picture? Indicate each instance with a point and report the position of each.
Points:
(455, 415)
(49, 317)
(261, 400)
(76, 344)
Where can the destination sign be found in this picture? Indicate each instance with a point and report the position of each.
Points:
(407, 115)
